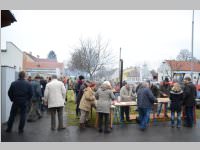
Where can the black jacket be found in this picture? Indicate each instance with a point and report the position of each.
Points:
(190, 94)
(20, 91)
(176, 99)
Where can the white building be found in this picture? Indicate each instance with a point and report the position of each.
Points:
(12, 56)
(178, 70)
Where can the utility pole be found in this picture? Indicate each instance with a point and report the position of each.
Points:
(192, 63)
(120, 68)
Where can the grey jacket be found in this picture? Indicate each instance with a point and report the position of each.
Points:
(37, 92)
(126, 95)
(104, 98)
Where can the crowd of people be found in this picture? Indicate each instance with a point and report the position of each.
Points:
(34, 96)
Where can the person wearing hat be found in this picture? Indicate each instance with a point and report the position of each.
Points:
(35, 112)
(87, 101)
(126, 95)
(104, 96)
(189, 95)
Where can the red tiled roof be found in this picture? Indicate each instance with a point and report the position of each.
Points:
(44, 65)
(183, 65)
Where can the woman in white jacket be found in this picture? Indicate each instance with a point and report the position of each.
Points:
(54, 95)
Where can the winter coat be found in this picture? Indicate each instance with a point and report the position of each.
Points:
(165, 89)
(155, 91)
(37, 92)
(126, 95)
(176, 100)
(43, 84)
(20, 91)
(55, 93)
(145, 98)
(104, 97)
(80, 91)
(189, 94)
(87, 100)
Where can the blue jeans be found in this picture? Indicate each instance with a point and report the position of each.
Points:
(144, 117)
(178, 118)
(160, 108)
(189, 120)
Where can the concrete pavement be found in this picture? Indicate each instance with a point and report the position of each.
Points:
(40, 131)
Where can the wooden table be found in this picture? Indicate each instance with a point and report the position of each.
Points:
(164, 101)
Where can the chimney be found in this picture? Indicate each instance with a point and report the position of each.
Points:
(30, 53)
(38, 56)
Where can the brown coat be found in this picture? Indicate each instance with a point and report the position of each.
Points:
(87, 100)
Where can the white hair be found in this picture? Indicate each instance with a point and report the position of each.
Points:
(106, 83)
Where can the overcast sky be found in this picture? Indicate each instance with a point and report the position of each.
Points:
(144, 36)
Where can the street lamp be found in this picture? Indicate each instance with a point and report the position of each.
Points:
(192, 64)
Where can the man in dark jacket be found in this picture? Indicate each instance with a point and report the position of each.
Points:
(43, 86)
(35, 113)
(189, 95)
(145, 101)
(20, 93)
(78, 91)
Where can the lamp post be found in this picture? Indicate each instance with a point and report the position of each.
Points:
(120, 69)
(192, 64)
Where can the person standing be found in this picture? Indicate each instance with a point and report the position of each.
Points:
(164, 93)
(145, 102)
(43, 84)
(126, 95)
(35, 112)
(189, 95)
(176, 101)
(87, 102)
(20, 93)
(79, 94)
(104, 96)
(54, 96)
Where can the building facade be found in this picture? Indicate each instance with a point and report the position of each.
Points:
(12, 56)
(44, 67)
(177, 70)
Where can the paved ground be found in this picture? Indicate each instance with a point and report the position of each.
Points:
(40, 132)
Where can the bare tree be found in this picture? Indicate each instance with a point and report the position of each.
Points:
(105, 73)
(184, 55)
(91, 56)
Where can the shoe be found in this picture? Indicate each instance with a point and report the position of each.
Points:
(63, 128)
(178, 126)
(172, 126)
(107, 131)
(82, 125)
(29, 120)
(8, 130)
(53, 129)
(21, 131)
(39, 117)
(100, 130)
(142, 129)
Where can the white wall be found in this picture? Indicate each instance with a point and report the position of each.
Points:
(12, 57)
(8, 76)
